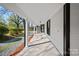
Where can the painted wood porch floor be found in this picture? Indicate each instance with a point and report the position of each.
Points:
(39, 46)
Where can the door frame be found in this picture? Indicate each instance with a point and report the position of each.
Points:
(42, 27)
(48, 26)
(66, 30)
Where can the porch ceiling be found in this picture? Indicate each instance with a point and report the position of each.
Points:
(35, 12)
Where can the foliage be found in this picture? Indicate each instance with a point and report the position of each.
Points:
(31, 28)
(3, 29)
(14, 32)
(15, 20)
(2, 22)
(15, 23)
(10, 23)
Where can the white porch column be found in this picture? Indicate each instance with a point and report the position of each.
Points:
(34, 29)
(26, 28)
(45, 28)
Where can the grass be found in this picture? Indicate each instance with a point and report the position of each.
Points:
(3, 39)
(7, 37)
(2, 48)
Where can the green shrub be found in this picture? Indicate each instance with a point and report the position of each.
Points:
(15, 32)
(12, 32)
(3, 29)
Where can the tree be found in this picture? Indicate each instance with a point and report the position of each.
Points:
(3, 28)
(15, 21)
(1, 20)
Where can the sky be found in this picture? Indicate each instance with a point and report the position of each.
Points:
(5, 13)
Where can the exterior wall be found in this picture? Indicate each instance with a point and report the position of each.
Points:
(57, 30)
(74, 29)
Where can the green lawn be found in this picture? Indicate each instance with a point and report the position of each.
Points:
(2, 48)
(4, 38)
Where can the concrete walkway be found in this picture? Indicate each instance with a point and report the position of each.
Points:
(40, 46)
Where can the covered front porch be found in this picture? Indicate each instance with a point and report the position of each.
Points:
(41, 36)
(40, 45)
